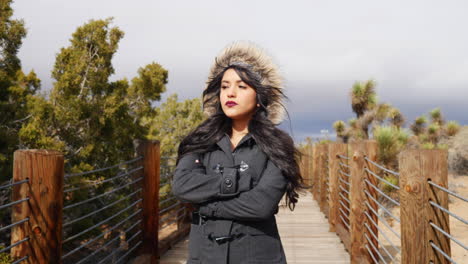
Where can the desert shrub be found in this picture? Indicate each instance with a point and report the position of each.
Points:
(390, 142)
(452, 128)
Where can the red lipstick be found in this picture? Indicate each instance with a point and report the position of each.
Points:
(231, 103)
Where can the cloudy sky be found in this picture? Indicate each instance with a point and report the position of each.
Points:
(415, 50)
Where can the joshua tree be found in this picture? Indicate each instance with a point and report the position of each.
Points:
(340, 129)
(374, 116)
(419, 125)
(433, 133)
(436, 116)
(363, 97)
(396, 118)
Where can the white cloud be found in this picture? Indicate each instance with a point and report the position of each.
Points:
(416, 50)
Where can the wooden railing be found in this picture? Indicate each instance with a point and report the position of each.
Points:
(348, 184)
(45, 228)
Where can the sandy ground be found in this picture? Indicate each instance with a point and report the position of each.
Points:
(458, 184)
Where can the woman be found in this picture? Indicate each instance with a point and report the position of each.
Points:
(236, 166)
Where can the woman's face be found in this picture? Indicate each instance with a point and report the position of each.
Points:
(233, 89)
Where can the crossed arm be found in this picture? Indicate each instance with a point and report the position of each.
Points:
(256, 204)
(192, 184)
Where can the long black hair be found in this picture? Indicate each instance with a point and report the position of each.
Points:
(274, 142)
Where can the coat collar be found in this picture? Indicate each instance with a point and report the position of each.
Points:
(225, 142)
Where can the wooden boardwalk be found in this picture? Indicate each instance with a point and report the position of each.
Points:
(304, 234)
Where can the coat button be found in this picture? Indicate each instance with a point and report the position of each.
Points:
(228, 183)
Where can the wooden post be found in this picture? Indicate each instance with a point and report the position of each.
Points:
(150, 150)
(315, 172)
(318, 173)
(417, 168)
(357, 198)
(342, 220)
(370, 151)
(311, 167)
(306, 165)
(45, 171)
(335, 149)
(324, 179)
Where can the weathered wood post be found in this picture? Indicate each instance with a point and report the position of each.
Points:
(342, 222)
(357, 198)
(371, 195)
(417, 168)
(315, 171)
(150, 150)
(45, 171)
(310, 150)
(310, 158)
(305, 164)
(324, 179)
(335, 149)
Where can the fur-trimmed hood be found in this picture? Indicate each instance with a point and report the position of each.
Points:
(260, 63)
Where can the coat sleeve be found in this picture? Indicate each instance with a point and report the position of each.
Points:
(192, 184)
(259, 203)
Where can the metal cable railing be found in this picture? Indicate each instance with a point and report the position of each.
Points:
(382, 232)
(101, 195)
(380, 243)
(343, 157)
(116, 206)
(382, 206)
(93, 184)
(101, 235)
(115, 251)
(448, 212)
(168, 207)
(116, 238)
(382, 193)
(110, 199)
(9, 185)
(381, 167)
(377, 246)
(374, 248)
(104, 169)
(382, 220)
(327, 177)
(9, 226)
(448, 191)
(343, 187)
(382, 179)
(434, 246)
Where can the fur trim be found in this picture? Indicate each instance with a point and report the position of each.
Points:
(243, 52)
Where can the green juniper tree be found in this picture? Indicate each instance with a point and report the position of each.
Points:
(15, 87)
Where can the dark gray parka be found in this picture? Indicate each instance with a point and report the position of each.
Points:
(242, 200)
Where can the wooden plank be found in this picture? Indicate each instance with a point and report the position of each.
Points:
(304, 235)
